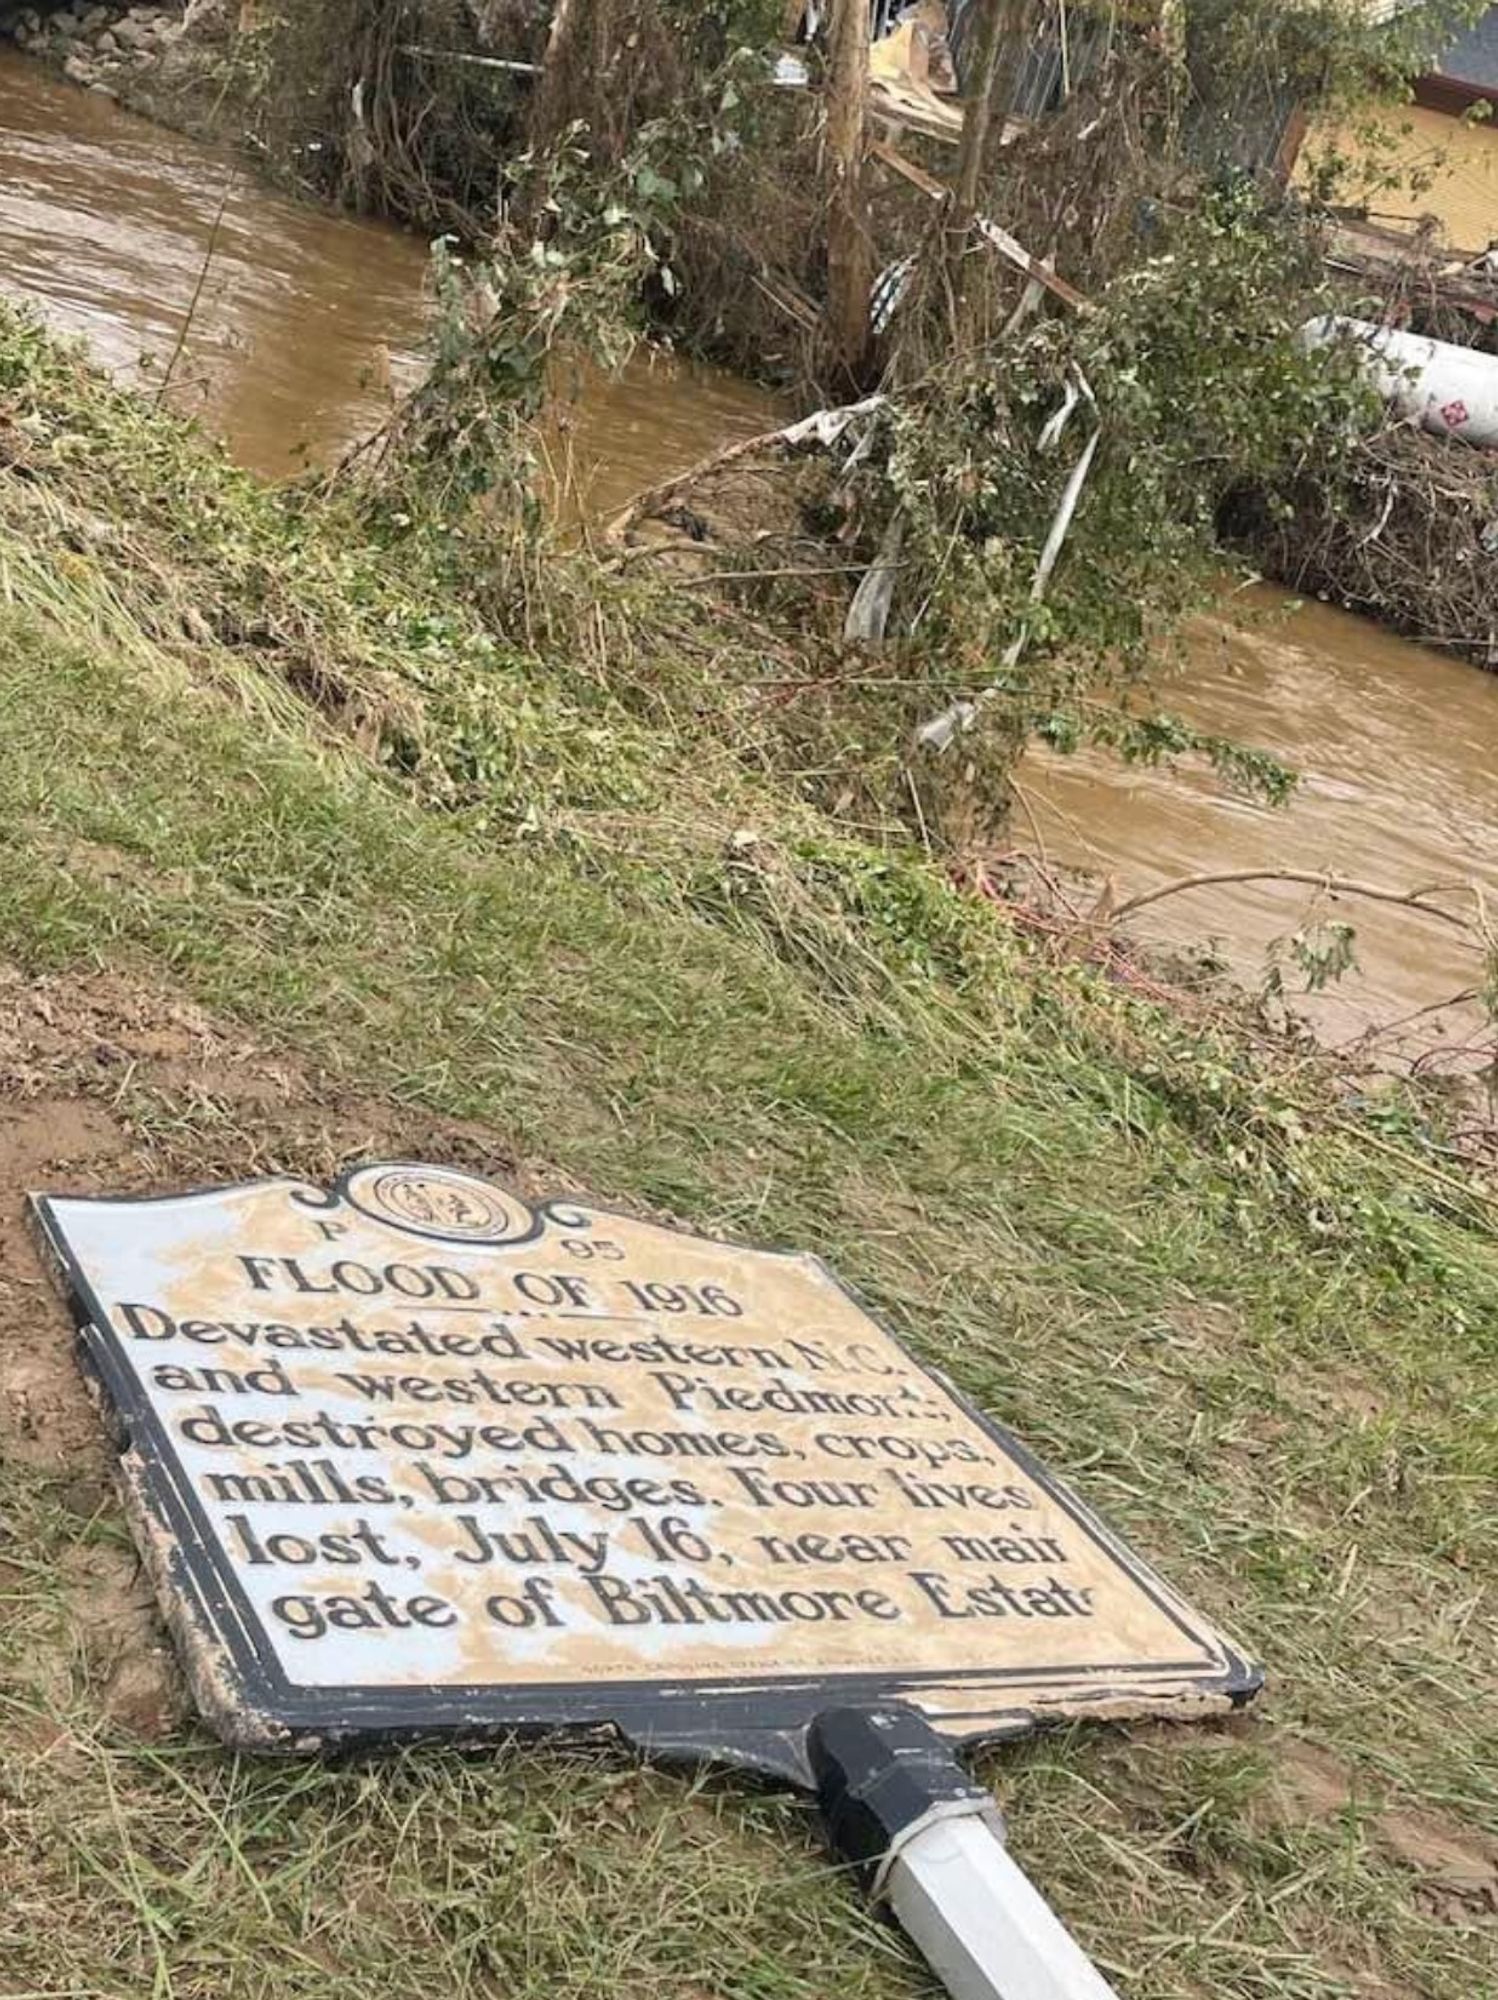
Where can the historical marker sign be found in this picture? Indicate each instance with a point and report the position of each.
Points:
(415, 1458)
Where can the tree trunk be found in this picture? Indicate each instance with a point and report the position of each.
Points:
(999, 39)
(576, 58)
(850, 249)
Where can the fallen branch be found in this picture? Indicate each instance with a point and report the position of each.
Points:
(472, 61)
(787, 299)
(762, 575)
(1332, 884)
(1381, 1030)
(1413, 1162)
(824, 426)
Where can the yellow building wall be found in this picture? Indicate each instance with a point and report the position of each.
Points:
(1456, 160)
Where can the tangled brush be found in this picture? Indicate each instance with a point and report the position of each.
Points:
(1404, 530)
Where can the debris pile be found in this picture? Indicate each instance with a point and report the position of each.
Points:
(1406, 531)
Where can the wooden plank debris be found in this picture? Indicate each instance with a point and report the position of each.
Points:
(992, 233)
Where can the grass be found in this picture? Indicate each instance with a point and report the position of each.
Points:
(1260, 1337)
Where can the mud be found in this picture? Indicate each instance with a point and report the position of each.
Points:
(1455, 1867)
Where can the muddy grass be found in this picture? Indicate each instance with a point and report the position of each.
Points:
(107, 1086)
(111, 1799)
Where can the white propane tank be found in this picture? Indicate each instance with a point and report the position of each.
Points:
(1451, 391)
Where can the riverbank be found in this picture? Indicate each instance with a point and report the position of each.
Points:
(1397, 530)
(307, 862)
(310, 320)
(118, 51)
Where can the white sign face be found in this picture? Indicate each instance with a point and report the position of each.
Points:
(413, 1458)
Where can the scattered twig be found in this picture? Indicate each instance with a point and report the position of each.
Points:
(755, 575)
(1414, 1162)
(197, 291)
(920, 812)
(1380, 1030)
(1027, 807)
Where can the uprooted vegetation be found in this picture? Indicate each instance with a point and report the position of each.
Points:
(947, 497)
(1405, 531)
(517, 133)
(843, 606)
(725, 180)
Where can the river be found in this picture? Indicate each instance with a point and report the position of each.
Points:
(305, 324)
(1397, 751)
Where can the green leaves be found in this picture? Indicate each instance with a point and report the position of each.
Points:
(1322, 952)
(1199, 386)
(651, 186)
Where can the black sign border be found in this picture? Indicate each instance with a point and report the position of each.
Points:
(747, 1723)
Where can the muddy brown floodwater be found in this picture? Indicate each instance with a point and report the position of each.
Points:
(1397, 751)
(308, 321)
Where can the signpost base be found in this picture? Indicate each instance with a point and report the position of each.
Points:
(929, 1842)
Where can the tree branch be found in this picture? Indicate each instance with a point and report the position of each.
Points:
(823, 426)
(1334, 885)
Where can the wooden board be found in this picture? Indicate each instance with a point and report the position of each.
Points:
(415, 1458)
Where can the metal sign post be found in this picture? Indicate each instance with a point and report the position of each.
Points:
(415, 1458)
(930, 1843)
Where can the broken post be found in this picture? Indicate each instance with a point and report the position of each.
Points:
(928, 1841)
